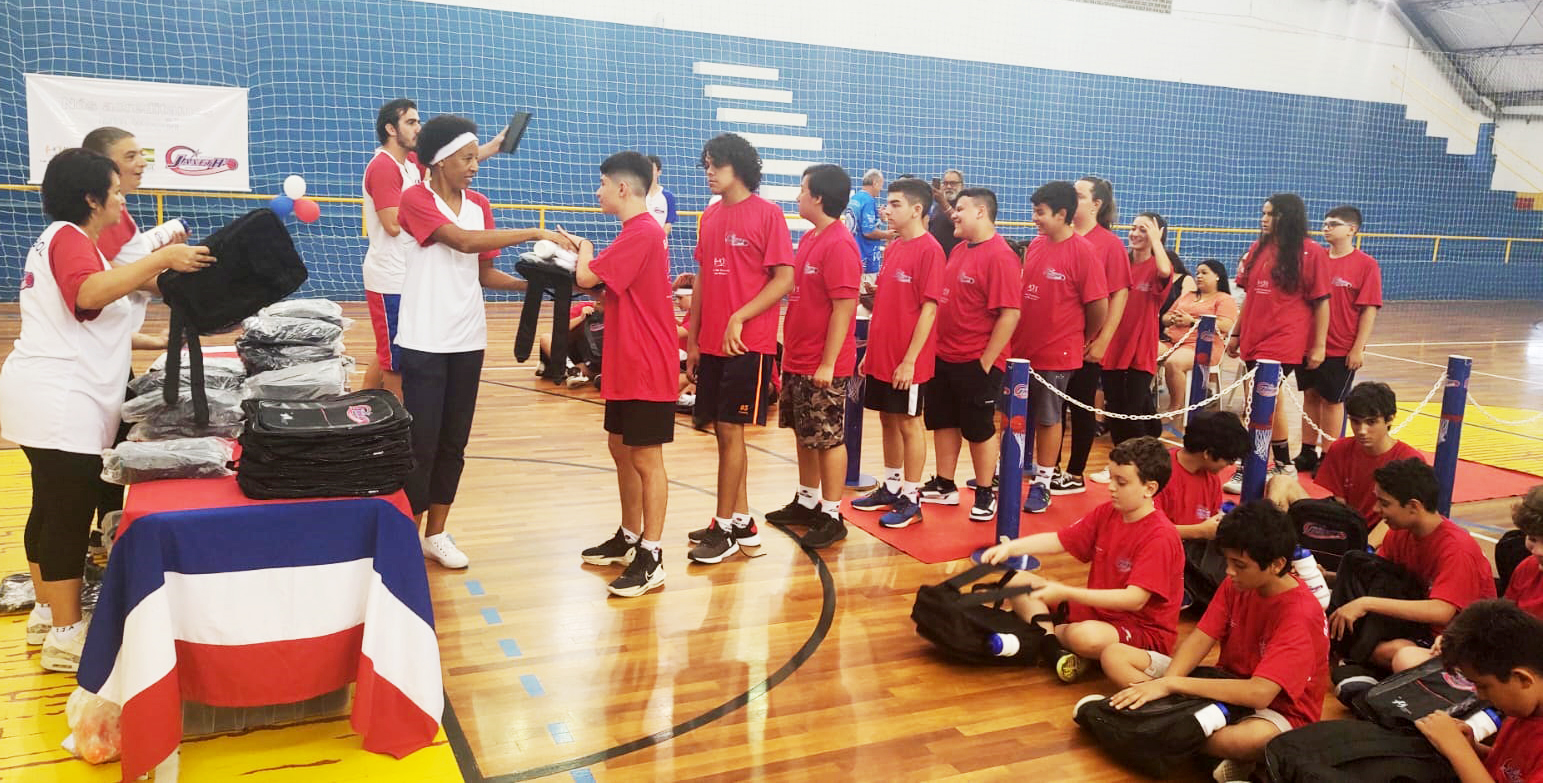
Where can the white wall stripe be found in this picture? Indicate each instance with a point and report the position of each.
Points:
(739, 71)
(788, 193)
(788, 168)
(763, 117)
(781, 141)
(730, 93)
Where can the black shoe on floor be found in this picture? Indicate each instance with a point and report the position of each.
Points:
(825, 531)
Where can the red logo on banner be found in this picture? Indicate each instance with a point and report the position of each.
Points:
(1021, 391)
(1019, 424)
(359, 414)
(188, 162)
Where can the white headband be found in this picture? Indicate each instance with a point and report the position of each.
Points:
(683, 292)
(453, 147)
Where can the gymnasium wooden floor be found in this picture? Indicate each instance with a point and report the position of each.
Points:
(788, 666)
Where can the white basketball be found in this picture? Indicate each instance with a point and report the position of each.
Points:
(294, 186)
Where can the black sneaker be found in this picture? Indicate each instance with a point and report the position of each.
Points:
(824, 532)
(644, 573)
(794, 513)
(985, 508)
(615, 551)
(748, 535)
(941, 491)
(716, 546)
(1066, 484)
(1307, 461)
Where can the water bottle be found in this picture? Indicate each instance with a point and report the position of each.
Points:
(1484, 723)
(1212, 717)
(1228, 506)
(1306, 567)
(1004, 645)
(162, 235)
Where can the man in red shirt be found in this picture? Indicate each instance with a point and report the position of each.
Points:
(819, 355)
(1065, 299)
(902, 351)
(1434, 548)
(1347, 467)
(1355, 297)
(746, 258)
(1272, 636)
(1499, 649)
(640, 369)
(977, 313)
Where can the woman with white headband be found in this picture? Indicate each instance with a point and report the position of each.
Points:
(442, 329)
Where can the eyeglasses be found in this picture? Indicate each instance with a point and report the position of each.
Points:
(1327, 224)
(955, 183)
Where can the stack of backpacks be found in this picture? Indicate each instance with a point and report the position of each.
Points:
(348, 445)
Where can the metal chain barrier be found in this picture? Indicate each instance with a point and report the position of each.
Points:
(1179, 342)
(1440, 381)
(1297, 399)
(1497, 419)
(1143, 416)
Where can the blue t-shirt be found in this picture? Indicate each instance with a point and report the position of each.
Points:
(862, 217)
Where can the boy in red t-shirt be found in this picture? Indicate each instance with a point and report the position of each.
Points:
(902, 351)
(1526, 586)
(1433, 547)
(746, 258)
(1272, 635)
(819, 354)
(1135, 573)
(1355, 296)
(640, 370)
(1499, 648)
(1192, 499)
(1346, 469)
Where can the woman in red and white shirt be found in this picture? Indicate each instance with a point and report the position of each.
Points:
(441, 326)
(61, 388)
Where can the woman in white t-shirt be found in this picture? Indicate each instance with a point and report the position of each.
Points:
(441, 326)
(62, 386)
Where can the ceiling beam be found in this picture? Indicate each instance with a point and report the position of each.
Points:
(1518, 98)
(1442, 5)
(1426, 39)
(1520, 50)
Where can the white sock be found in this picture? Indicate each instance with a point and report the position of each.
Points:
(911, 489)
(44, 611)
(1042, 474)
(652, 546)
(893, 477)
(808, 497)
(741, 520)
(67, 631)
(830, 508)
(724, 524)
(631, 537)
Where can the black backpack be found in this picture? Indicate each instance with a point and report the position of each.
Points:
(1328, 529)
(1400, 700)
(961, 625)
(1362, 573)
(1156, 738)
(1352, 751)
(1204, 569)
(1510, 552)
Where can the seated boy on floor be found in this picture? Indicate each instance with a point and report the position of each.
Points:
(1192, 498)
(1499, 648)
(1135, 576)
(1526, 585)
(1272, 636)
(1439, 552)
(1347, 466)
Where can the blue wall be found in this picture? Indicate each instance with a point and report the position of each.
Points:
(1203, 156)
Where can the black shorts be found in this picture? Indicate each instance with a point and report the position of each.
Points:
(1285, 369)
(1332, 379)
(882, 397)
(733, 389)
(640, 422)
(961, 397)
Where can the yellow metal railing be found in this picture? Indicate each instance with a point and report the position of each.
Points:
(544, 210)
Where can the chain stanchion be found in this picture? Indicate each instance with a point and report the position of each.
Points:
(856, 478)
(1205, 329)
(1017, 439)
(1492, 417)
(1440, 382)
(1454, 400)
(1256, 466)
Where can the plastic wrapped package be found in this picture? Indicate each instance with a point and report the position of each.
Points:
(96, 735)
(315, 309)
(282, 330)
(224, 407)
(300, 382)
(133, 463)
(215, 377)
(229, 364)
(262, 358)
(16, 594)
(154, 429)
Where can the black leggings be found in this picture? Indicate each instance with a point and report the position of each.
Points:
(440, 391)
(1130, 392)
(65, 489)
(1083, 387)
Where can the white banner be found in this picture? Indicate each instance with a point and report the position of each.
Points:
(194, 137)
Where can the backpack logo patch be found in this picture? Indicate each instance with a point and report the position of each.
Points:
(359, 414)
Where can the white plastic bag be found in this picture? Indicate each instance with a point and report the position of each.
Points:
(95, 734)
(134, 463)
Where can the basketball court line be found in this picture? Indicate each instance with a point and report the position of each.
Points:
(1452, 342)
(1443, 367)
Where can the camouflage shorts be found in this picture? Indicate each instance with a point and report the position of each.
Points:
(816, 416)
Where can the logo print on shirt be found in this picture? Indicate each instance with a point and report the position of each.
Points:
(811, 269)
(27, 281)
(720, 266)
(1051, 274)
(1202, 513)
(965, 278)
(1143, 287)
(901, 276)
(1340, 282)
(1122, 565)
(1031, 292)
(734, 240)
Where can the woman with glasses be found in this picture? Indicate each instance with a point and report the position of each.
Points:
(1212, 296)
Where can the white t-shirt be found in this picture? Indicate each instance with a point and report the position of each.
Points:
(384, 181)
(441, 309)
(62, 386)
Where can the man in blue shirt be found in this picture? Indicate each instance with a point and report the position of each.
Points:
(862, 218)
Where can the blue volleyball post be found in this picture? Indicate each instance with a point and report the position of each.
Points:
(1256, 466)
(1454, 400)
(1204, 334)
(1017, 438)
(856, 478)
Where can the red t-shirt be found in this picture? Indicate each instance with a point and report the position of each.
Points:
(1278, 324)
(1134, 345)
(1517, 755)
(737, 246)
(1355, 283)
(114, 237)
(1448, 560)
(576, 310)
(912, 275)
(1282, 638)
(1346, 472)
(1109, 252)
(383, 181)
(978, 283)
(827, 267)
(1189, 498)
(685, 322)
(73, 258)
(1145, 553)
(1526, 587)
(1059, 278)
(640, 361)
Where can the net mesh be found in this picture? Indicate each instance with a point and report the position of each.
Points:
(1204, 156)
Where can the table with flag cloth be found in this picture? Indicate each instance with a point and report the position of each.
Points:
(212, 597)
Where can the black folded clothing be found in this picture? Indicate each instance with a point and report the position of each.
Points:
(339, 446)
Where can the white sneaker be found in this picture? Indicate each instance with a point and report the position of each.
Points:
(61, 652)
(1231, 771)
(442, 549)
(1234, 485)
(38, 625)
(1099, 476)
(686, 400)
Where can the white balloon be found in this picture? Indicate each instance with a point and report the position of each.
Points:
(294, 186)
